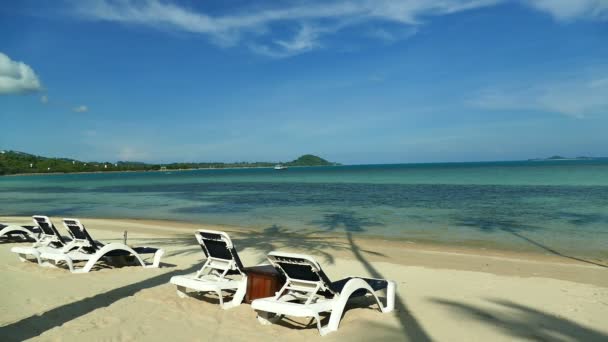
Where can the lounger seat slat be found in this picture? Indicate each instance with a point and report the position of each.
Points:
(203, 284)
(293, 308)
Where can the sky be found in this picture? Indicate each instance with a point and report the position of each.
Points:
(354, 81)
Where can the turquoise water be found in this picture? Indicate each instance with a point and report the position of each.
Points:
(550, 207)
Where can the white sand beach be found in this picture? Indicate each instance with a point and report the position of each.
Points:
(444, 293)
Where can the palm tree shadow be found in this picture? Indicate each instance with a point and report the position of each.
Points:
(524, 322)
(352, 222)
(263, 241)
(37, 324)
(277, 237)
(181, 244)
(515, 229)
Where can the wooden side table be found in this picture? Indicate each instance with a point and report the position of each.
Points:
(262, 281)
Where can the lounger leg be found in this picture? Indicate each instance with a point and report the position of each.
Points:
(157, 255)
(181, 292)
(23, 257)
(238, 296)
(330, 327)
(267, 318)
(219, 293)
(390, 297)
(70, 264)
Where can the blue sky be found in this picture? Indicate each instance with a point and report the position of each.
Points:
(353, 81)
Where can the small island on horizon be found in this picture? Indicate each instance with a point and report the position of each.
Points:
(557, 157)
(14, 162)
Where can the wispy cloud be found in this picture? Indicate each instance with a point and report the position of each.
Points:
(306, 39)
(47, 101)
(81, 109)
(129, 153)
(258, 25)
(573, 95)
(390, 36)
(17, 77)
(567, 10)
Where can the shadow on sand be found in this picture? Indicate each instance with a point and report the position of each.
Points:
(38, 324)
(351, 222)
(263, 241)
(512, 227)
(523, 322)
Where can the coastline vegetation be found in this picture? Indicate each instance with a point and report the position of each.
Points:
(13, 162)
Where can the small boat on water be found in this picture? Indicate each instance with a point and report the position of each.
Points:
(280, 167)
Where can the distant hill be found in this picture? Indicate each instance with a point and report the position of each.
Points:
(14, 162)
(310, 160)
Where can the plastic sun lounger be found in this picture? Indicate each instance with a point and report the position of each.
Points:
(15, 232)
(308, 292)
(222, 260)
(48, 240)
(93, 251)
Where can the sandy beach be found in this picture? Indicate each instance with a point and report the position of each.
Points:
(444, 293)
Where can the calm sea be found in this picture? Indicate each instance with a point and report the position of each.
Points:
(551, 206)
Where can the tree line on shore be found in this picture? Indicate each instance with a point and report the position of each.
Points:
(13, 162)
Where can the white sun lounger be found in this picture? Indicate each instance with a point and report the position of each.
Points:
(308, 292)
(48, 240)
(94, 251)
(222, 261)
(13, 232)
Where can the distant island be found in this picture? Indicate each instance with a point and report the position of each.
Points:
(566, 158)
(14, 162)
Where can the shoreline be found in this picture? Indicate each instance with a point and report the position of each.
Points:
(132, 171)
(484, 248)
(168, 170)
(412, 253)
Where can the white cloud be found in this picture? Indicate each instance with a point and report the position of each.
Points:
(17, 77)
(572, 9)
(390, 36)
(315, 19)
(81, 109)
(128, 153)
(574, 95)
(90, 133)
(256, 25)
(305, 40)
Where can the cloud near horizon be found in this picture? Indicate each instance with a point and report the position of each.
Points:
(17, 77)
(574, 95)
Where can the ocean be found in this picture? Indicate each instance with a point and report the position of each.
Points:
(556, 207)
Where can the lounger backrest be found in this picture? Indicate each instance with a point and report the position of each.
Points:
(78, 231)
(299, 267)
(218, 245)
(47, 227)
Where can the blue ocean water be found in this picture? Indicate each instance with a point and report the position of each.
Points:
(549, 206)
